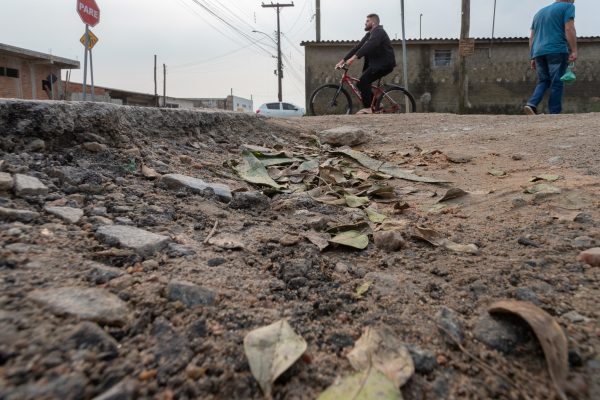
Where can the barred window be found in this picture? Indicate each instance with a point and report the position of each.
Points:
(442, 58)
(2, 71)
(12, 73)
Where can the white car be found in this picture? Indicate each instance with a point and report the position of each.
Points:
(280, 110)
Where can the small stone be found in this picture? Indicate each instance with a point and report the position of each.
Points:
(100, 273)
(555, 160)
(36, 145)
(501, 333)
(583, 242)
(318, 223)
(134, 152)
(517, 157)
(518, 202)
(189, 294)
(344, 136)
(150, 264)
(124, 390)
(185, 159)
(86, 303)
(6, 182)
(99, 211)
(26, 185)
(227, 242)
(289, 240)
(389, 240)
(95, 147)
(458, 158)
(124, 221)
(293, 268)
(143, 242)
(178, 181)
(250, 201)
(527, 242)
(215, 262)
(179, 250)
(341, 268)
(527, 294)
(590, 257)
(67, 214)
(574, 317)
(101, 221)
(584, 218)
(10, 214)
(450, 325)
(89, 336)
(425, 361)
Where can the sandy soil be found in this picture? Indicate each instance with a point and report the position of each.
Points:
(528, 248)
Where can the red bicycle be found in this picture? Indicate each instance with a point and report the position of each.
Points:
(332, 99)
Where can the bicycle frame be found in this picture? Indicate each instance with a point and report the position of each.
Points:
(351, 82)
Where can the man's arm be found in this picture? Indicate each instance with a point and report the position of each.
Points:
(375, 39)
(352, 53)
(571, 39)
(531, 35)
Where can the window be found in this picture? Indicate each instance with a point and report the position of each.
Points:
(442, 58)
(12, 73)
(273, 106)
(2, 71)
(287, 106)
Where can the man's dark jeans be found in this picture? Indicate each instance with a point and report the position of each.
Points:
(369, 76)
(550, 68)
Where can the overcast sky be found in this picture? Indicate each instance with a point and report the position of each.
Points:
(206, 58)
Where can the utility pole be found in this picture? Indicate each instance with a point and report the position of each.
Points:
(279, 63)
(164, 85)
(463, 78)
(155, 84)
(318, 19)
(404, 56)
(421, 26)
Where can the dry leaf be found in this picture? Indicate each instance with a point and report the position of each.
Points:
(380, 348)
(149, 172)
(321, 240)
(355, 239)
(549, 334)
(227, 242)
(366, 385)
(271, 350)
(453, 193)
(363, 289)
(437, 239)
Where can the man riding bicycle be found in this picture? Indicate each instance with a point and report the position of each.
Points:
(380, 60)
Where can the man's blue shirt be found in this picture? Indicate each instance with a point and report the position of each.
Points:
(548, 27)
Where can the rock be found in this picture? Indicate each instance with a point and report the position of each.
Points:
(584, 218)
(179, 250)
(100, 273)
(527, 242)
(178, 181)
(555, 160)
(10, 214)
(458, 158)
(227, 242)
(294, 268)
(425, 361)
(339, 341)
(502, 333)
(518, 202)
(89, 336)
(215, 262)
(67, 214)
(86, 303)
(341, 268)
(289, 240)
(450, 324)
(124, 390)
(185, 159)
(250, 201)
(590, 257)
(190, 294)
(36, 145)
(124, 221)
(574, 317)
(389, 240)
(95, 147)
(101, 221)
(99, 211)
(6, 182)
(583, 242)
(149, 172)
(26, 185)
(134, 152)
(344, 136)
(171, 351)
(318, 223)
(143, 242)
(65, 387)
(527, 294)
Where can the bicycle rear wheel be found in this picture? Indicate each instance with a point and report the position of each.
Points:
(330, 100)
(393, 101)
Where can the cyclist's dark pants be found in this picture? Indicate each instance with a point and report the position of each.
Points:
(369, 76)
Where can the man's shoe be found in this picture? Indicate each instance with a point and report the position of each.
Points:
(530, 110)
(365, 111)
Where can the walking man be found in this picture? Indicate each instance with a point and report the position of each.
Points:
(553, 44)
(377, 50)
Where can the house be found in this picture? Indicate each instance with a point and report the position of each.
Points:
(28, 74)
(500, 79)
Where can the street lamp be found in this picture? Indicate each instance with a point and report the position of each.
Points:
(266, 34)
(421, 26)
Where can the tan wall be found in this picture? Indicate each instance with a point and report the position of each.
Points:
(498, 84)
(29, 84)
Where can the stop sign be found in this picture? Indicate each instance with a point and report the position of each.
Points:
(89, 12)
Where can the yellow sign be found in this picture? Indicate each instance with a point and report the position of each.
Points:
(93, 40)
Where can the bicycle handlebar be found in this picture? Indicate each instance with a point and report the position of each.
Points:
(345, 67)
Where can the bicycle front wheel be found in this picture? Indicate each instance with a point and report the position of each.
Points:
(330, 100)
(394, 101)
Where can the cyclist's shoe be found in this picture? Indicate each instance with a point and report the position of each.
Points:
(365, 111)
(530, 110)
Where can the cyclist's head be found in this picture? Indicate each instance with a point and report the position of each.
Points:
(372, 22)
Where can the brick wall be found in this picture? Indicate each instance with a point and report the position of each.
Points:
(500, 82)
(28, 85)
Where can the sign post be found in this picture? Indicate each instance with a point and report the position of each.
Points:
(89, 12)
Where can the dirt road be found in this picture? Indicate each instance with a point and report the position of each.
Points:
(89, 306)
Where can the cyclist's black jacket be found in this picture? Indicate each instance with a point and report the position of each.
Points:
(377, 49)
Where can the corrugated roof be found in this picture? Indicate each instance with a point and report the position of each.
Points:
(442, 40)
(37, 56)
